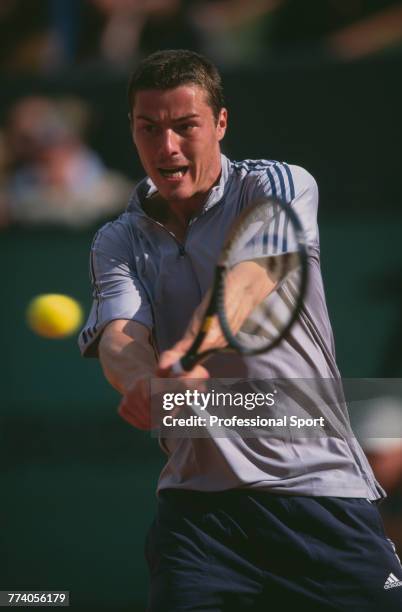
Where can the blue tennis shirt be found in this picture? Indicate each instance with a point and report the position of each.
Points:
(141, 272)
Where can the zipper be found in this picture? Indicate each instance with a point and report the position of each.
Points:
(180, 245)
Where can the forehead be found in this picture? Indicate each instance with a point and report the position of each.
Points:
(176, 102)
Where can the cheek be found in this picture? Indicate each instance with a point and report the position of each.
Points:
(203, 149)
(144, 152)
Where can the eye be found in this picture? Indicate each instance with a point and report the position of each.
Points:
(186, 128)
(147, 128)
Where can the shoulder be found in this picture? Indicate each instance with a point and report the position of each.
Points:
(304, 182)
(114, 234)
(124, 228)
(113, 248)
(274, 178)
(287, 182)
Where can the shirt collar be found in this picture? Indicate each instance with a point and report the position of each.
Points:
(146, 188)
(216, 193)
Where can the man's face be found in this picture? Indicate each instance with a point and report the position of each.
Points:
(177, 138)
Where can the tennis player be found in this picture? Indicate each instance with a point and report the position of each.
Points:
(242, 523)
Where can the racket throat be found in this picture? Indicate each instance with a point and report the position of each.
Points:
(193, 357)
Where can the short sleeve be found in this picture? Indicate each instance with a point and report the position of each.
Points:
(116, 289)
(305, 202)
(296, 186)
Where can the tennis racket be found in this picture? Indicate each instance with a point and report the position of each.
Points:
(268, 233)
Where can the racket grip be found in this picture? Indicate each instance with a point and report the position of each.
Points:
(185, 364)
(177, 368)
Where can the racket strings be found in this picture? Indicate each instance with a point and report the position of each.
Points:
(268, 237)
(268, 234)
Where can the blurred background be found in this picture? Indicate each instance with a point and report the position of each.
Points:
(316, 83)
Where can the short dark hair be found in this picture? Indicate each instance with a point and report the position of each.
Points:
(174, 67)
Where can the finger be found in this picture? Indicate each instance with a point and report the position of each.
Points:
(167, 359)
(175, 353)
(214, 339)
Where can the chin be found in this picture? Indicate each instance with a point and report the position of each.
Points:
(175, 193)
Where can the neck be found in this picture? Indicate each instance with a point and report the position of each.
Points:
(175, 216)
(182, 212)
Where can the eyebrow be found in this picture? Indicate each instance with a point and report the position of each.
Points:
(183, 118)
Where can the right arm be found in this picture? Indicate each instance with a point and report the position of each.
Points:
(128, 361)
(118, 329)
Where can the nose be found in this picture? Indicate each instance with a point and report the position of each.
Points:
(169, 145)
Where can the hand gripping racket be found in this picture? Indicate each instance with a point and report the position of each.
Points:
(267, 233)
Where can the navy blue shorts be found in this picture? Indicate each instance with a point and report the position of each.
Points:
(259, 552)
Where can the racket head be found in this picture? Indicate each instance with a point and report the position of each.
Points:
(267, 232)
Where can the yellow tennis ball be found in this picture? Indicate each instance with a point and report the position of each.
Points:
(53, 315)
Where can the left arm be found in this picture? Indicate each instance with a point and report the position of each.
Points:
(247, 285)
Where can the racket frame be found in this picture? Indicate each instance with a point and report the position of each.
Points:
(216, 304)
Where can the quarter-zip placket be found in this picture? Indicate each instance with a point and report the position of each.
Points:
(180, 245)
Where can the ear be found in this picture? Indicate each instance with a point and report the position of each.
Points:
(222, 123)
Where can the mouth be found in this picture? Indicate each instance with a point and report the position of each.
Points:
(173, 173)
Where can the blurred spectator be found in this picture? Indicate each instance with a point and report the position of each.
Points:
(26, 44)
(333, 27)
(237, 32)
(110, 31)
(53, 177)
(372, 34)
(119, 32)
(47, 35)
(170, 26)
(234, 32)
(3, 179)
